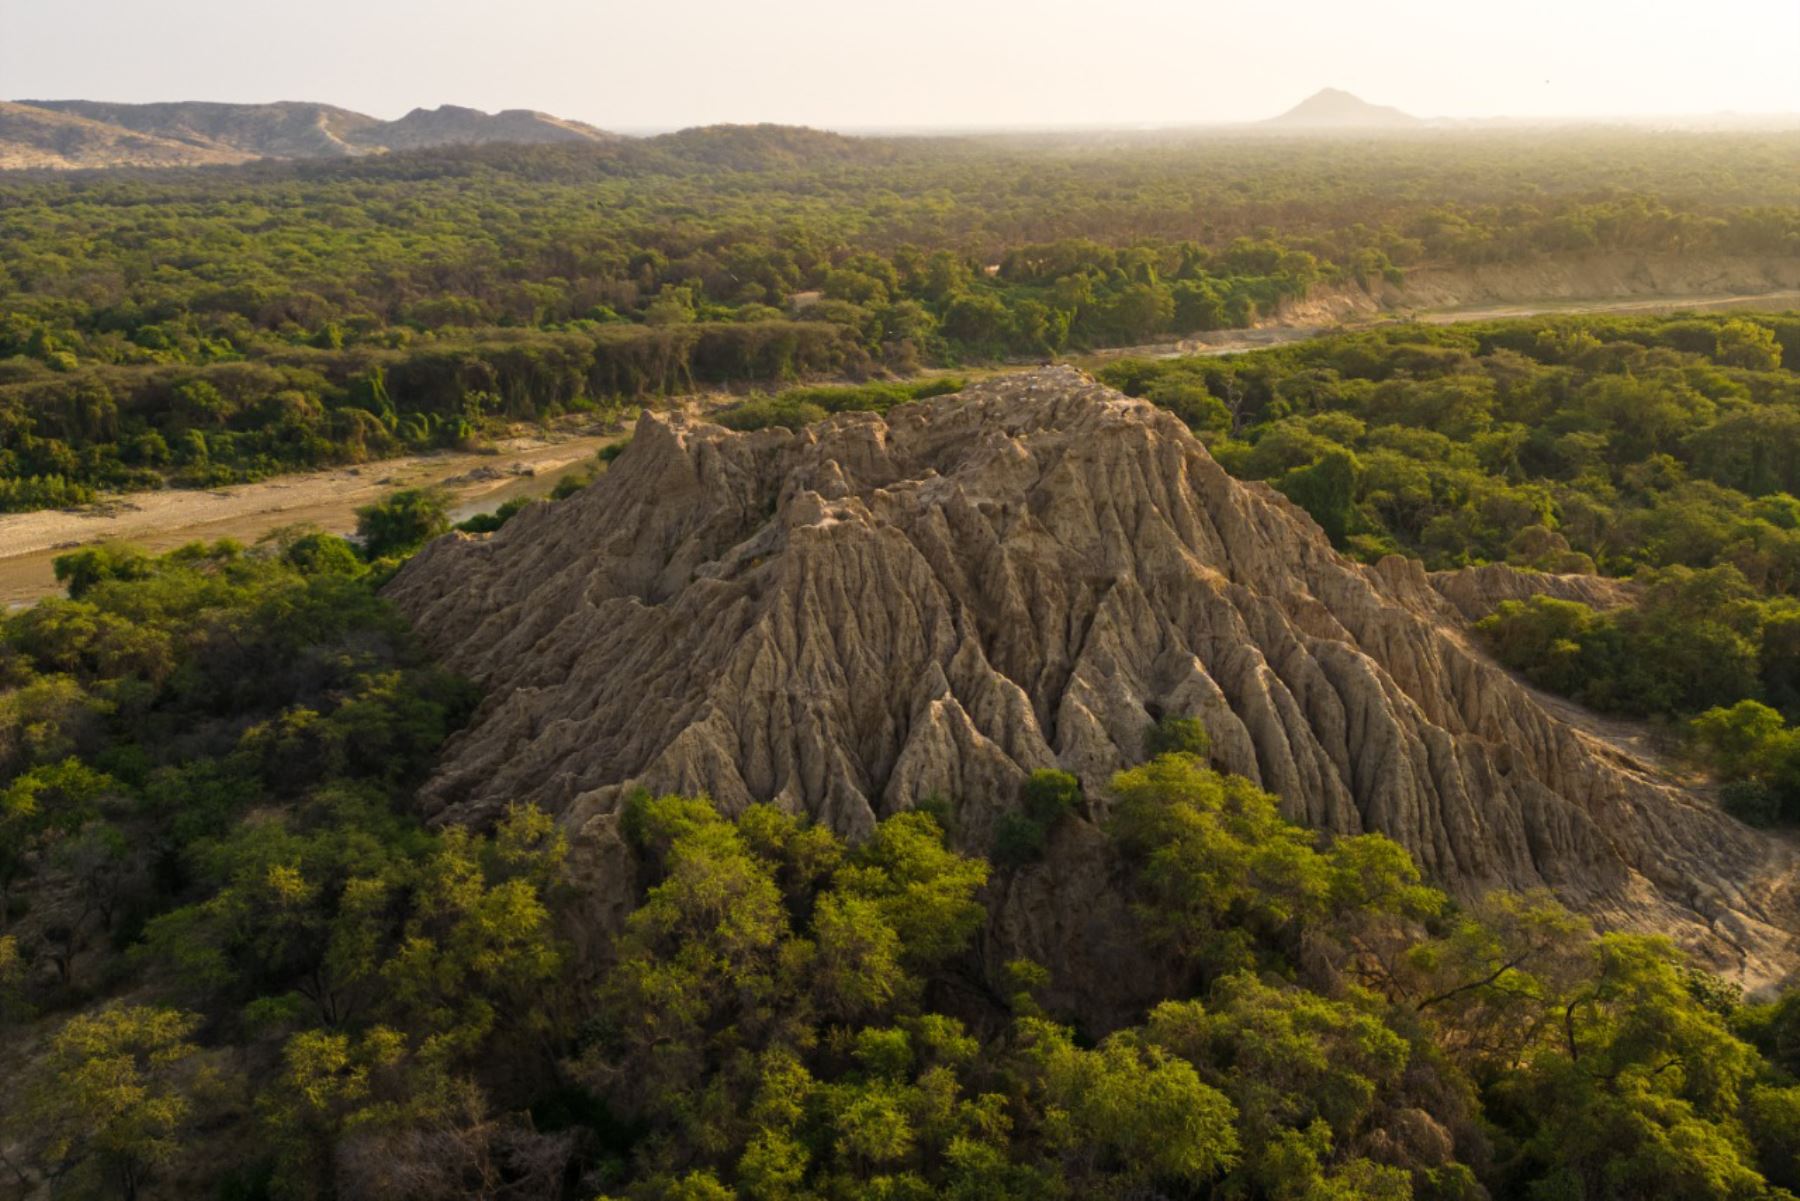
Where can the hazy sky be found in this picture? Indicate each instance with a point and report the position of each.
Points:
(856, 63)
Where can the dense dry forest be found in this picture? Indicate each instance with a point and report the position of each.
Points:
(218, 325)
(311, 994)
(237, 963)
(244, 968)
(1660, 449)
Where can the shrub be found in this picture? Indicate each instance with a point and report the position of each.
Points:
(1048, 795)
(82, 570)
(487, 523)
(763, 412)
(1018, 840)
(403, 522)
(1751, 801)
(569, 485)
(321, 554)
(1179, 736)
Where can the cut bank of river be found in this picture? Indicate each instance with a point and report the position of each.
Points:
(530, 466)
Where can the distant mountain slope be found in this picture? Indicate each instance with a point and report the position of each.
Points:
(89, 133)
(286, 129)
(766, 147)
(1330, 108)
(453, 125)
(33, 137)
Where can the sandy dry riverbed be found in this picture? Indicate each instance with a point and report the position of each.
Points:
(527, 465)
(1237, 341)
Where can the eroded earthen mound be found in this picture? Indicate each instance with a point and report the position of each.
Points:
(850, 618)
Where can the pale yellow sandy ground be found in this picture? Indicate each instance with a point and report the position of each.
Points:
(328, 499)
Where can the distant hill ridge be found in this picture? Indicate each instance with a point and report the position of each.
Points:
(38, 137)
(88, 133)
(1331, 108)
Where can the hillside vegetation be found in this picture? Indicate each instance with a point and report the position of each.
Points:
(212, 326)
(1661, 449)
(232, 964)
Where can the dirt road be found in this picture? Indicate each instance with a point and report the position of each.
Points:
(1660, 304)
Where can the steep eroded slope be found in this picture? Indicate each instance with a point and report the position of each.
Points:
(855, 616)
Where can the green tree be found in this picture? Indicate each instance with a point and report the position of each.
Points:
(38, 809)
(80, 571)
(1737, 741)
(1772, 1115)
(1747, 344)
(1179, 736)
(116, 1094)
(1220, 868)
(1048, 796)
(1127, 1115)
(766, 1005)
(1327, 491)
(1639, 1089)
(402, 522)
(327, 1083)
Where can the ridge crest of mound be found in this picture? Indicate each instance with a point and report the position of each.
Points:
(851, 618)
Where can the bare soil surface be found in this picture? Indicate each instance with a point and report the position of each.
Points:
(1295, 329)
(526, 465)
(1784, 299)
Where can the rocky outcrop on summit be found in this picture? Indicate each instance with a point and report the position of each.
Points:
(855, 616)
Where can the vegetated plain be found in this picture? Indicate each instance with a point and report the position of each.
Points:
(211, 326)
(234, 962)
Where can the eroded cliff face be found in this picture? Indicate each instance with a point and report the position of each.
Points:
(1475, 592)
(850, 618)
